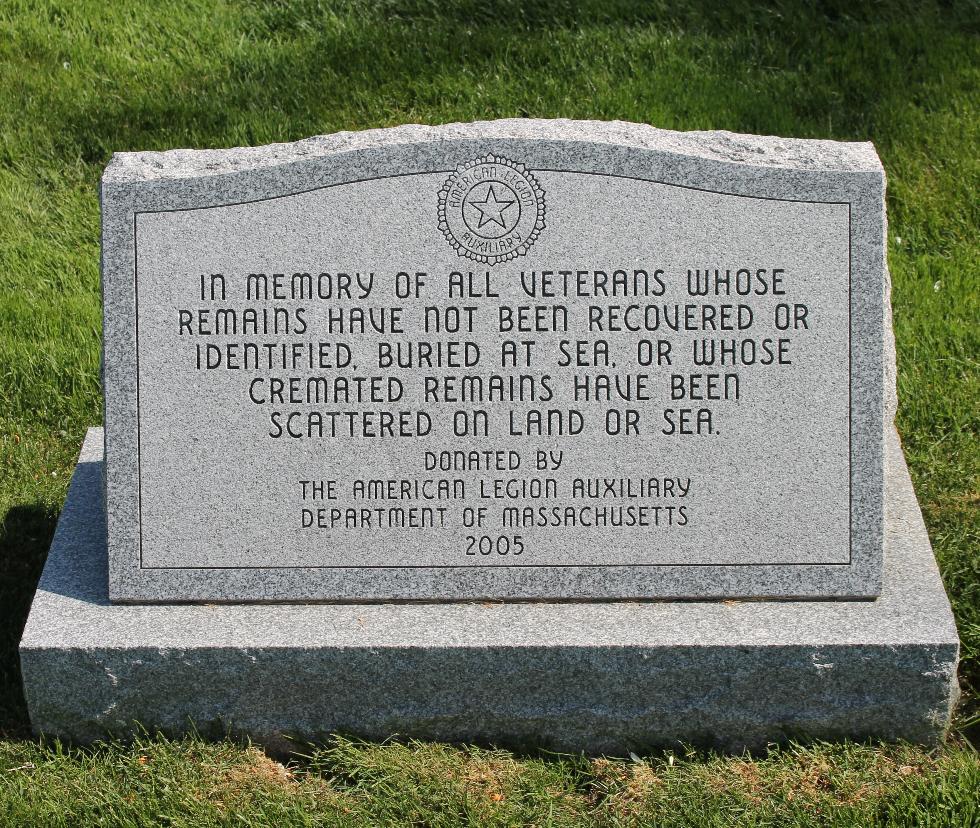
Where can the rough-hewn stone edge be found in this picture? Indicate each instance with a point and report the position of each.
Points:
(593, 699)
(732, 147)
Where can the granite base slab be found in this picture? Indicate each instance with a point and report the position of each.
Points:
(594, 677)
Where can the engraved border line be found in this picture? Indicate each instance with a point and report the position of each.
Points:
(767, 564)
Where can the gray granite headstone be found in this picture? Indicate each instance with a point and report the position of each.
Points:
(518, 359)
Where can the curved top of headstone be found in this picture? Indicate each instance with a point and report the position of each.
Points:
(717, 145)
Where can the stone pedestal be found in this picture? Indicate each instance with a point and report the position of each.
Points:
(599, 677)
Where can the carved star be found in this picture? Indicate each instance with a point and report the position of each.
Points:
(491, 209)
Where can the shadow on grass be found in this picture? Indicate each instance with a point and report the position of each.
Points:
(24, 540)
(706, 16)
(789, 68)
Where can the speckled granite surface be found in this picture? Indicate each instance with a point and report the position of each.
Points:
(787, 502)
(600, 677)
(717, 145)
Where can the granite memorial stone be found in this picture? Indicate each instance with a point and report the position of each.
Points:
(514, 360)
(355, 382)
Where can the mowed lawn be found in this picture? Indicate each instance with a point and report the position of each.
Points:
(80, 79)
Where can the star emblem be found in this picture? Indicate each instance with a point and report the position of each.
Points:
(491, 209)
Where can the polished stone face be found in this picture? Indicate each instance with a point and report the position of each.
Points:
(506, 360)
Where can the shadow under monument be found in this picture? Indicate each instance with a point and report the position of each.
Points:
(25, 536)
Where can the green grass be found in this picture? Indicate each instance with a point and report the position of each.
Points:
(193, 783)
(79, 80)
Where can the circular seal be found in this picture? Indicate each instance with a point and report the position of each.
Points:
(491, 210)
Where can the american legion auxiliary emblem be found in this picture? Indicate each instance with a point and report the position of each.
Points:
(491, 210)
